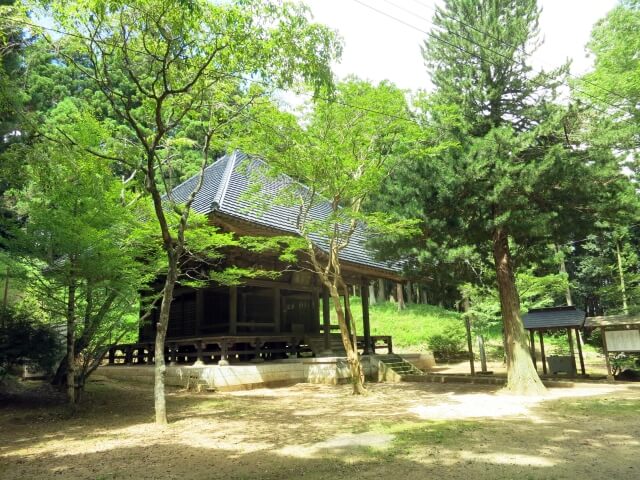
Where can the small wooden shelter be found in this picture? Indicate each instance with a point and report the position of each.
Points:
(551, 319)
(620, 334)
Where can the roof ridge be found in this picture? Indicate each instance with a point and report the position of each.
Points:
(218, 200)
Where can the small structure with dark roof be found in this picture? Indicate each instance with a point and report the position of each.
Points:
(620, 334)
(567, 318)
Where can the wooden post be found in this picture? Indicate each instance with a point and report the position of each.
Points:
(372, 294)
(381, 293)
(467, 324)
(409, 293)
(400, 296)
(224, 353)
(579, 343)
(366, 327)
(276, 310)
(532, 341)
(606, 354)
(544, 358)
(572, 350)
(199, 359)
(257, 347)
(199, 311)
(483, 354)
(233, 310)
(326, 320)
(316, 311)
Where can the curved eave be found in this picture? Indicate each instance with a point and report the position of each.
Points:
(255, 228)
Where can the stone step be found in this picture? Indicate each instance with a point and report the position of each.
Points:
(400, 365)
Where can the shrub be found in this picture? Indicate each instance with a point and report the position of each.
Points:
(24, 341)
(448, 343)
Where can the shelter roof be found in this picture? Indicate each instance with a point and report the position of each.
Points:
(612, 320)
(230, 186)
(553, 317)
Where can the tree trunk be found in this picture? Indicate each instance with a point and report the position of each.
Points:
(357, 375)
(623, 290)
(409, 293)
(400, 295)
(522, 377)
(372, 294)
(381, 295)
(563, 269)
(160, 369)
(71, 340)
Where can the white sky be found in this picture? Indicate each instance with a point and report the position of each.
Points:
(378, 48)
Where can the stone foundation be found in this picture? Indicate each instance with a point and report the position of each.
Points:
(328, 370)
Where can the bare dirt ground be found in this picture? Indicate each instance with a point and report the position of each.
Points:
(403, 431)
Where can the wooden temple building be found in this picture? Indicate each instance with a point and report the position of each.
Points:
(260, 319)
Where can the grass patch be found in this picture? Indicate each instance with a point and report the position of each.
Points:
(410, 434)
(601, 407)
(410, 328)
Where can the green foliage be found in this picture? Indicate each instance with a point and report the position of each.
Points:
(449, 343)
(24, 341)
(410, 328)
(340, 156)
(536, 291)
(512, 159)
(593, 267)
(614, 84)
(80, 259)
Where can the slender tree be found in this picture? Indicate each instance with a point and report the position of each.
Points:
(341, 152)
(74, 238)
(158, 63)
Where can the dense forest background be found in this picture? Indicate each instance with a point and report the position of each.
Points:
(497, 163)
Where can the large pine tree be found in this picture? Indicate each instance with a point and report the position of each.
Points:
(513, 175)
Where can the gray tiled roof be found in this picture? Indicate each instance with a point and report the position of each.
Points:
(225, 184)
(553, 317)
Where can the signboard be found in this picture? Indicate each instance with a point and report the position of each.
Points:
(623, 340)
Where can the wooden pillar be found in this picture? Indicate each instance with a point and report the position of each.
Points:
(199, 359)
(257, 347)
(199, 311)
(224, 353)
(347, 317)
(572, 350)
(532, 341)
(326, 319)
(580, 356)
(400, 296)
(276, 310)
(606, 353)
(315, 300)
(366, 327)
(544, 358)
(233, 310)
(467, 324)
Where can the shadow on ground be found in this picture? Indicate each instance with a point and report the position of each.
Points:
(405, 430)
